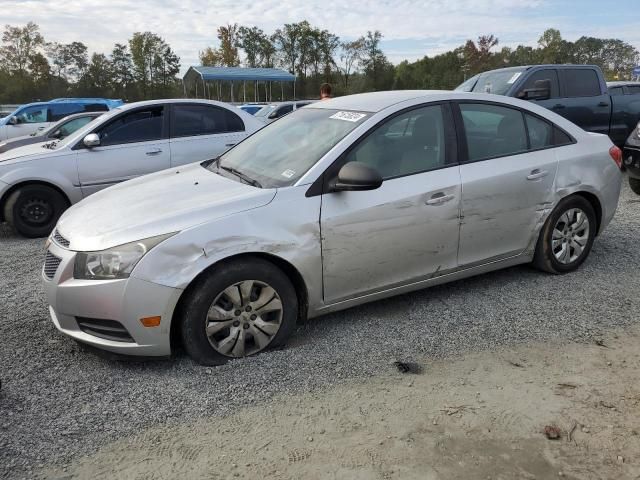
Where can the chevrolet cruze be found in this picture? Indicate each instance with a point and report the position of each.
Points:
(340, 203)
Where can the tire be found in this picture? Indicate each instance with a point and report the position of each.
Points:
(562, 256)
(634, 183)
(33, 210)
(216, 302)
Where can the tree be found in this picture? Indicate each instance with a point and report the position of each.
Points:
(377, 69)
(351, 54)
(210, 57)
(553, 48)
(69, 60)
(478, 56)
(19, 45)
(154, 64)
(98, 78)
(229, 39)
(122, 79)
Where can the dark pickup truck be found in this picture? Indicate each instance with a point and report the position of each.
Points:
(577, 92)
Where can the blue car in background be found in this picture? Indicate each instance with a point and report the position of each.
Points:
(250, 108)
(32, 117)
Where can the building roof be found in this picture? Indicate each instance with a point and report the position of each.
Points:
(240, 74)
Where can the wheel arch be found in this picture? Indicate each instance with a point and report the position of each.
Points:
(25, 183)
(287, 268)
(595, 203)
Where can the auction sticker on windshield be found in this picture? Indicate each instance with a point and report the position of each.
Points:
(288, 173)
(514, 78)
(348, 116)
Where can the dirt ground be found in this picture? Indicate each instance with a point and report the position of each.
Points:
(478, 417)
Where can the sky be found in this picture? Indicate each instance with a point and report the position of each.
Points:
(411, 28)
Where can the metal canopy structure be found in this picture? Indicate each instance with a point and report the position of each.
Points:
(199, 80)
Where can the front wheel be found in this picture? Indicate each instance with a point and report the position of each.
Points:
(566, 237)
(33, 210)
(238, 309)
(634, 183)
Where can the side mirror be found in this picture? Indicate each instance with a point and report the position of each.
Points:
(541, 91)
(57, 134)
(356, 176)
(273, 115)
(13, 120)
(91, 140)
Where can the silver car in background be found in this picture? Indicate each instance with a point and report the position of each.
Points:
(340, 203)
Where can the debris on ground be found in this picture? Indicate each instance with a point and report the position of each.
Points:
(552, 432)
(601, 343)
(408, 367)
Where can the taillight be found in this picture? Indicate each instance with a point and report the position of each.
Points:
(616, 155)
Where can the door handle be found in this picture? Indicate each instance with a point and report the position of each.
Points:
(558, 106)
(603, 104)
(439, 199)
(154, 152)
(229, 144)
(537, 174)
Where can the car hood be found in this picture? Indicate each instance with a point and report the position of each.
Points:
(19, 142)
(25, 152)
(156, 204)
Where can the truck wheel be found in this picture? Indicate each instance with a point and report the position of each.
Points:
(566, 237)
(33, 210)
(634, 183)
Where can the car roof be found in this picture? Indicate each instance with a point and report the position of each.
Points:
(377, 101)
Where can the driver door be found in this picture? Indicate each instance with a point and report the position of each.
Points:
(406, 230)
(132, 144)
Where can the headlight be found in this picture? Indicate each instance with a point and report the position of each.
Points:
(117, 262)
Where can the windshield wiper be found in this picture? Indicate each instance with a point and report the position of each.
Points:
(242, 176)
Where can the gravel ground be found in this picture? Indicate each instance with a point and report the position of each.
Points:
(59, 400)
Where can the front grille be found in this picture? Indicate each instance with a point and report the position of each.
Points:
(51, 264)
(60, 240)
(107, 329)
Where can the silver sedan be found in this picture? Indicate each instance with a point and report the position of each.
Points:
(340, 203)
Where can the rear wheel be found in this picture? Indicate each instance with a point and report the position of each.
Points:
(238, 310)
(33, 210)
(634, 183)
(566, 237)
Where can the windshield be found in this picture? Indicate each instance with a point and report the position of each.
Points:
(279, 154)
(497, 82)
(266, 110)
(468, 85)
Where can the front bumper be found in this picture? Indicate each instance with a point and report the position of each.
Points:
(74, 302)
(631, 160)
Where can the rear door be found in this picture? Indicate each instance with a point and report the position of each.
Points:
(201, 132)
(132, 144)
(507, 180)
(583, 101)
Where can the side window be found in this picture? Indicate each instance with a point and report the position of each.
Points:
(493, 131)
(549, 77)
(540, 132)
(409, 143)
(633, 90)
(72, 125)
(138, 126)
(194, 120)
(35, 114)
(580, 82)
(282, 111)
(614, 91)
(561, 138)
(61, 110)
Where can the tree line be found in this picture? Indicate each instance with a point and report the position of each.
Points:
(146, 67)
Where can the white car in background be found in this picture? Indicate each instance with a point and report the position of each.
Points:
(274, 111)
(38, 182)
